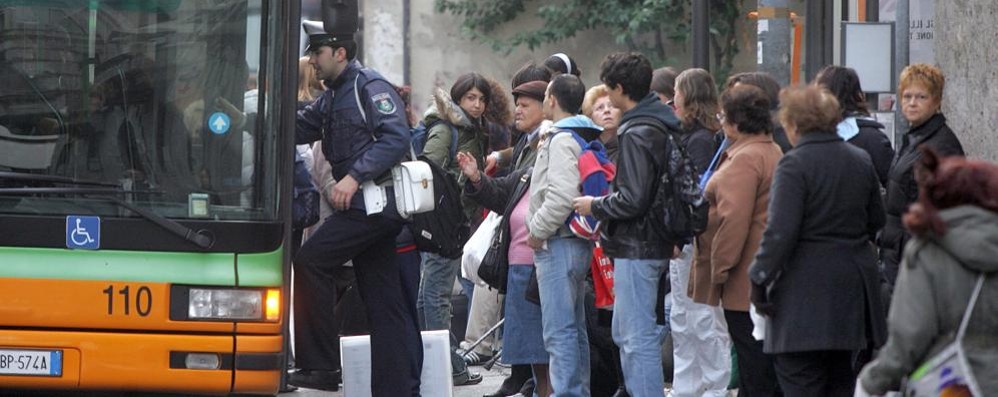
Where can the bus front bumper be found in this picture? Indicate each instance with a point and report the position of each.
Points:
(170, 363)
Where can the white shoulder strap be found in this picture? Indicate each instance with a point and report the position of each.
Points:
(356, 96)
(970, 307)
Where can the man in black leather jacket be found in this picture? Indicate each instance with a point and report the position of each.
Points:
(632, 234)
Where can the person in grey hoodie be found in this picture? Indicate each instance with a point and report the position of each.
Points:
(955, 229)
(561, 260)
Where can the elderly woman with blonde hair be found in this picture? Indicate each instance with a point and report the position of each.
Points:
(597, 106)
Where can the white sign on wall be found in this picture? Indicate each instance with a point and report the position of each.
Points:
(868, 48)
(922, 14)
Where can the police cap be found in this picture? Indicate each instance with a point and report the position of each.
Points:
(318, 37)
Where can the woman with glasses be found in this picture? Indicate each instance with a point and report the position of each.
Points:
(597, 106)
(738, 193)
(921, 94)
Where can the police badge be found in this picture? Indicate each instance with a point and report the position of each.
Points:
(383, 102)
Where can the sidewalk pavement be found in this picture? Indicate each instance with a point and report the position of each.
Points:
(490, 384)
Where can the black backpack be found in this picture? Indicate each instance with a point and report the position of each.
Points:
(444, 230)
(679, 200)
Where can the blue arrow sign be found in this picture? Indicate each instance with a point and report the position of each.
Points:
(219, 123)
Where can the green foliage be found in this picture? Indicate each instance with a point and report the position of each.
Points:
(641, 25)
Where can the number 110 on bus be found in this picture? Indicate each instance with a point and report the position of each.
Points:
(125, 296)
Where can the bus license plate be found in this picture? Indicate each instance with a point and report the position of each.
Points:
(31, 362)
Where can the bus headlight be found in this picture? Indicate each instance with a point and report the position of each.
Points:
(229, 304)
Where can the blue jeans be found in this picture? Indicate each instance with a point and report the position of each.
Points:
(561, 273)
(635, 286)
(435, 287)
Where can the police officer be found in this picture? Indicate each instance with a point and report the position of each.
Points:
(361, 120)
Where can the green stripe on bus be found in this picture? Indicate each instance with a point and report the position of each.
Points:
(260, 270)
(165, 267)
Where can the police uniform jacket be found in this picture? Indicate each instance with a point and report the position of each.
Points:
(363, 142)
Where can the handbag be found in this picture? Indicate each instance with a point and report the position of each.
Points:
(602, 268)
(948, 372)
(494, 269)
(477, 246)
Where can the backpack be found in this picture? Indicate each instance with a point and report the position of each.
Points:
(596, 171)
(679, 201)
(444, 230)
(305, 202)
(421, 132)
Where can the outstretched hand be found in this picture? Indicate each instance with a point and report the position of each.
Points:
(469, 166)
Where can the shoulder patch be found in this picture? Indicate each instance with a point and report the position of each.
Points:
(384, 103)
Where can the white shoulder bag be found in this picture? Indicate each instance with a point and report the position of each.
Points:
(413, 181)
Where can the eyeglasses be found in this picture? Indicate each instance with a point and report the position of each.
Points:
(914, 97)
(720, 117)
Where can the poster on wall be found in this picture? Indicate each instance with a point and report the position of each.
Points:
(921, 29)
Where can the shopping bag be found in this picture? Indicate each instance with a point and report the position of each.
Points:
(477, 246)
(602, 268)
(948, 372)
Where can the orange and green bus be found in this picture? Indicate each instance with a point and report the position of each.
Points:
(145, 165)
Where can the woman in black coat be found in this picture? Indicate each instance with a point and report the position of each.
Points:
(815, 274)
(856, 126)
(921, 94)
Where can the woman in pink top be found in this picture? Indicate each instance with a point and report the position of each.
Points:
(522, 339)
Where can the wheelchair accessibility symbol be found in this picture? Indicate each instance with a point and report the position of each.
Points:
(83, 232)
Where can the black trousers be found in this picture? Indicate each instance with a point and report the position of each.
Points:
(396, 345)
(816, 373)
(756, 373)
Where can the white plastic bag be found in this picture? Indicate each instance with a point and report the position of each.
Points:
(477, 246)
(759, 323)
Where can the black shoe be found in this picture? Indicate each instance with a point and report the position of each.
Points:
(286, 388)
(528, 387)
(514, 382)
(473, 359)
(467, 378)
(316, 379)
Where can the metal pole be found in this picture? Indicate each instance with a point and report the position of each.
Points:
(701, 34)
(774, 39)
(902, 22)
(406, 42)
(873, 15)
(872, 10)
(816, 27)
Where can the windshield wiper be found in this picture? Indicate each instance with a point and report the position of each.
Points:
(201, 238)
(24, 176)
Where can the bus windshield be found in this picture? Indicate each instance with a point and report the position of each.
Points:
(163, 100)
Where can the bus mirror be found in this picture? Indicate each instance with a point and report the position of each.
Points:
(340, 16)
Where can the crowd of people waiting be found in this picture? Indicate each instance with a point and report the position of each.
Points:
(850, 258)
